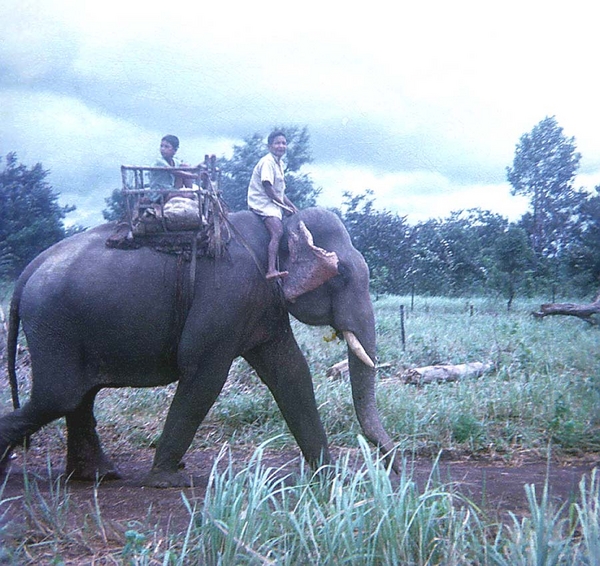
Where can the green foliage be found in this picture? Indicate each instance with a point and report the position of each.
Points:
(582, 257)
(512, 262)
(467, 429)
(381, 236)
(544, 168)
(300, 189)
(236, 172)
(356, 518)
(31, 219)
(472, 252)
(115, 206)
(449, 256)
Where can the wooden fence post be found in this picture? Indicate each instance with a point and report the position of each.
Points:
(402, 332)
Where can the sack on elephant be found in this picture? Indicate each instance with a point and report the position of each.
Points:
(182, 213)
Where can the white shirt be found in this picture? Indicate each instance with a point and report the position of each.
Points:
(267, 169)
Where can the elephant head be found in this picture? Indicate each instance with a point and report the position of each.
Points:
(329, 285)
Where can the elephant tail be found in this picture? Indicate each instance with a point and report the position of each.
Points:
(14, 321)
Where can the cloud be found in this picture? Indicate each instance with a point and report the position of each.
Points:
(424, 103)
(416, 195)
(82, 147)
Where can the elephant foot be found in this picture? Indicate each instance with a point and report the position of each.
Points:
(93, 475)
(106, 470)
(162, 479)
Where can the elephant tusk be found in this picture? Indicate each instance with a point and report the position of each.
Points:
(355, 345)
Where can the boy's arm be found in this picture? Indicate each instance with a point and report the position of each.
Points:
(290, 204)
(286, 204)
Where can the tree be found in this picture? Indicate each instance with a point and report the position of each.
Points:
(381, 236)
(236, 172)
(450, 256)
(467, 237)
(583, 259)
(512, 262)
(544, 168)
(31, 219)
(115, 206)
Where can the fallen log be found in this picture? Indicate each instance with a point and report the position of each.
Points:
(338, 371)
(445, 373)
(584, 312)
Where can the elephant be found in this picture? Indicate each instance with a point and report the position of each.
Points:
(97, 317)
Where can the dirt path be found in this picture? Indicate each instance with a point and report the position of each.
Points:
(498, 488)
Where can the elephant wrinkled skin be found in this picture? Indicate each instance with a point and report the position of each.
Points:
(97, 317)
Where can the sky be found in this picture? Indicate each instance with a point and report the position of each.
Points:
(422, 102)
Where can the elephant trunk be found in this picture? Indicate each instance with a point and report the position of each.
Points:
(360, 338)
(362, 379)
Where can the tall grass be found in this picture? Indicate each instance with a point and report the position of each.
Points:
(255, 514)
(545, 389)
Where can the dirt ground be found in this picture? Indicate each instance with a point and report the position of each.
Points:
(494, 486)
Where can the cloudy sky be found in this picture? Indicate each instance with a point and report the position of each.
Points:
(423, 102)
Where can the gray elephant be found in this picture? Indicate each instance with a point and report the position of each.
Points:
(98, 317)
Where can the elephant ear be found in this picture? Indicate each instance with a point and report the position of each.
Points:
(309, 266)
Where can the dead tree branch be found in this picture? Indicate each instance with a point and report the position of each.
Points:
(584, 312)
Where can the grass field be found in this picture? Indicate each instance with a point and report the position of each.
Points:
(543, 395)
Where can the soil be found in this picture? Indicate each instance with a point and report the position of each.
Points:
(495, 486)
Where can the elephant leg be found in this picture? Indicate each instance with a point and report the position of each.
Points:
(85, 458)
(193, 399)
(17, 426)
(282, 367)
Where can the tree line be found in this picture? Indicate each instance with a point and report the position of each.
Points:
(551, 250)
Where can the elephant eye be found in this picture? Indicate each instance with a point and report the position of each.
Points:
(340, 280)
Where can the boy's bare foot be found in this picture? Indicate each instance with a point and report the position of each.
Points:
(277, 274)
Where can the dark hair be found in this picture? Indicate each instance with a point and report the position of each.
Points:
(274, 135)
(173, 140)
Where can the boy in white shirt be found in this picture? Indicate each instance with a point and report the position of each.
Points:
(266, 197)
